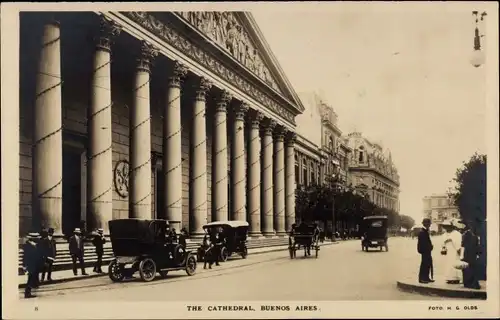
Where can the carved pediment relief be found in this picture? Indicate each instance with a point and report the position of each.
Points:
(225, 29)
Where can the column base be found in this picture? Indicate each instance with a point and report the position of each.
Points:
(281, 234)
(255, 234)
(268, 234)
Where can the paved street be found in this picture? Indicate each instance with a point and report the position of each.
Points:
(342, 272)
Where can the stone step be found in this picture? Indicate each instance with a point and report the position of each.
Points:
(63, 260)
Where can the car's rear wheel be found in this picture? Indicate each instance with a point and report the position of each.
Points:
(115, 271)
(191, 265)
(147, 270)
(223, 254)
(244, 253)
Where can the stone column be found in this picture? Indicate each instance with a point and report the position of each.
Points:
(140, 137)
(220, 210)
(47, 134)
(268, 126)
(238, 199)
(279, 181)
(99, 154)
(198, 157)
(172, 147)
(290, 181)
(253, 165)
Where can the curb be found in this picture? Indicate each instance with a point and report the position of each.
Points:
(90, 276)
(442, 292)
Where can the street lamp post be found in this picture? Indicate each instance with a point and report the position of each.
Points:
(478, 57)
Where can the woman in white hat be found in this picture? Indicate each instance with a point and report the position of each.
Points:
(451, 249)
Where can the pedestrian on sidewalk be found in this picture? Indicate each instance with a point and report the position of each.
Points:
(48, 245)
(452, 243)
(470, 246)
(424, 248)
(76, 250)
(98, 242)
(182, 237)
(32, 263)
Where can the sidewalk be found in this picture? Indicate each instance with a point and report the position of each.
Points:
(67, 275)
(442, 289)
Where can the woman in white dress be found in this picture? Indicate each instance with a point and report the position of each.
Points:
(452, 244)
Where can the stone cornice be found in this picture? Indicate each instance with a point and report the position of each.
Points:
(170, 35)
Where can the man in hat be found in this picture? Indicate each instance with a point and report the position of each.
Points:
(48, 245)
(32, 263)
(76, 250)
(424, 247)
(98, 242)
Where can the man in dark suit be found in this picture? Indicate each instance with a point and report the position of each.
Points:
(76, 250)
(424, 247)
(32, 263)
(48, 245)
(98, 242)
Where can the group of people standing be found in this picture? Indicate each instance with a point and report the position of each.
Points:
(40, 251)
(460, 246)
(212, 244)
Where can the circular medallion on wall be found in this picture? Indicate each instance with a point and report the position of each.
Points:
(121, 178)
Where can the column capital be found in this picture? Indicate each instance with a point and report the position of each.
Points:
(147, 53)
(279, 133)
(202, 86)
(223, 100)
(254, 118)
(108, 31)
(291, 138)
(179, 71)
(268, 126)
(240, 110)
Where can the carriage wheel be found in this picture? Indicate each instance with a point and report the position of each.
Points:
(223, 254)
(191, 265)
(115, 271)
(147, 269)
(244, 254)
(163, 273)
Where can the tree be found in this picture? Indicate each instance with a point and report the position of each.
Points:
(407, 222)
(469, 196)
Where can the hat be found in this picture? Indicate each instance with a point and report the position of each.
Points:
(457, 224)
(100, 230)
(77, 230)
(446, 223)
(33, 235)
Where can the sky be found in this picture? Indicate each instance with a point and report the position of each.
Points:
(402, 77)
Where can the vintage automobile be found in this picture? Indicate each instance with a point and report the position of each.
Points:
(233, 238)
(142, 245)
(374, 233)
(306, 236)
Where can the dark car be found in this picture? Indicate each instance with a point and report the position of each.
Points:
(232, 236)
(374, 233)
(143, 246)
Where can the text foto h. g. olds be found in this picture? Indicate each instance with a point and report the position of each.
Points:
(254, 308)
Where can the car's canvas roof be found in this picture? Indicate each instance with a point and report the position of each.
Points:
(233, 223)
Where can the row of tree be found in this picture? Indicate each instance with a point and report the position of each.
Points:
(344, 207)
(469, 196)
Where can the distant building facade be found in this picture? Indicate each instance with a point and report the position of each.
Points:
(438, 208)
(372, 171)
(320, 150)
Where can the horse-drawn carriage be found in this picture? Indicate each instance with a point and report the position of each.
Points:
(142, 245)
(305, 236)
(232, 238)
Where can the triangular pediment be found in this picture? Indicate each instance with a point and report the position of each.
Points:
(239, 36)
